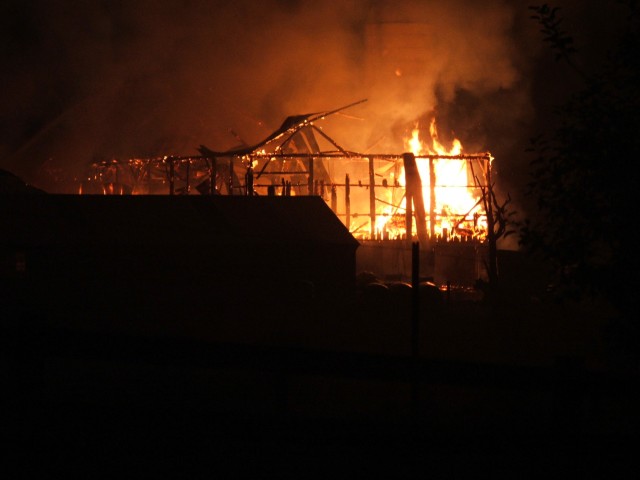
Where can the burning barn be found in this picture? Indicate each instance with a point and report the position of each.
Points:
(441, 197)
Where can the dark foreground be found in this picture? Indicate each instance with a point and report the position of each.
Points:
(141, 405)
(222, 337)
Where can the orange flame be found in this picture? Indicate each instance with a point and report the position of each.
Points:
(455, 199)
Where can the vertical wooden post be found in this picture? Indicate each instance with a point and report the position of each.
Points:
(311, 177)
(372, 198)
(347, 201)
(230, 186)
(492, 227)
(334, 199)
(432, 198)
(187, 187)
(414, 189)
(147, 176)
(408, 219)
(171, 177)
(248, 182)
(212, 174)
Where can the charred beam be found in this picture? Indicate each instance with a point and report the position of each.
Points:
(414, 190)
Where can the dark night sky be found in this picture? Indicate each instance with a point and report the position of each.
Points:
(123, 79)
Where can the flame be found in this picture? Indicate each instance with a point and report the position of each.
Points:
(457, 211)
(418, 147)
(414, 143)
(456, 201)
(437, 147)
(387, 223)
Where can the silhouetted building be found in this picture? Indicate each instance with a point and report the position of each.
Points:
(163, 261)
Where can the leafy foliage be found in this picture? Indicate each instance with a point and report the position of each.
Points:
(559, 40)
(584, 177)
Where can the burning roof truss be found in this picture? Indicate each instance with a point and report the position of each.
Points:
(377, 196)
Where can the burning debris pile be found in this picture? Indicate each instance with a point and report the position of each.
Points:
(429, 194)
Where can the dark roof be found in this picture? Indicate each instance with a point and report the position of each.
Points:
(161, 219)
(12, 184)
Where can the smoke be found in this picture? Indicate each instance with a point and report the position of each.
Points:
(102, 79)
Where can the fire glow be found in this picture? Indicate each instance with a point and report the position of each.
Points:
(457, 199)
(367, 192)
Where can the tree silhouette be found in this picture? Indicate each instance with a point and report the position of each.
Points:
(584, 177)
(500, 224)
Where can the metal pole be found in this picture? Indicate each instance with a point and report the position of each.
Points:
(415, 298)
(415, 323)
